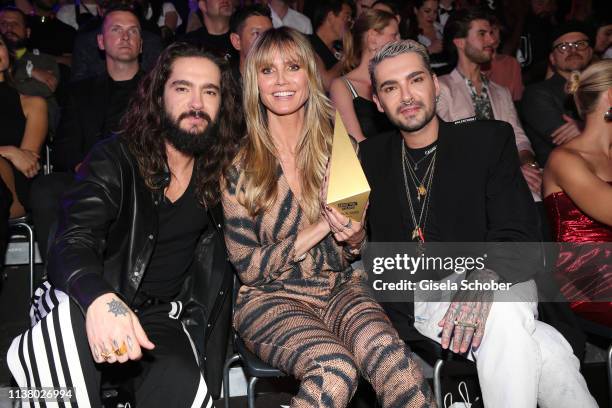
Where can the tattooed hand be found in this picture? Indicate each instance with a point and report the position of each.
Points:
(113, 331)
(467, 314)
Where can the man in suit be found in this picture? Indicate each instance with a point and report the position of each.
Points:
(465, 178)
(466, 91)
(93, 110)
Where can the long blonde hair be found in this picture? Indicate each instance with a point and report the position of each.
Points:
(257, 184)
(588, 86)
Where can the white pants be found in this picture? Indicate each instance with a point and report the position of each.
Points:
(521, 361)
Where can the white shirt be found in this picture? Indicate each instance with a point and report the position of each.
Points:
(66, 14)
(167, 7)
(293, 19)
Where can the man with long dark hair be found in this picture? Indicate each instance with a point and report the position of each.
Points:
(136, 269)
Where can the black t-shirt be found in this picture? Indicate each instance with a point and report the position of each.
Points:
(50, 35)
(180, 225)
(326, 55)
(119, 95)
(217, 44)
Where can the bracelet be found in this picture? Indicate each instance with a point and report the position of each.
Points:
(29, 68)
(357, 250)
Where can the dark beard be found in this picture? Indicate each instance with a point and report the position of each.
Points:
(191, 143)
(15, 45)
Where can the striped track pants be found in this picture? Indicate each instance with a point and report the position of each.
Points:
(55, 353)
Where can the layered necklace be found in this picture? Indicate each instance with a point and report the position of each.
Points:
(422, 187)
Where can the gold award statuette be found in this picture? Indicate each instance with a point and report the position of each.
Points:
(348, 189)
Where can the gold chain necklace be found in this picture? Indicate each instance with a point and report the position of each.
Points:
(419, 185)
(419, 227)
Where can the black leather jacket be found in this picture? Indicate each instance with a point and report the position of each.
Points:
(106, 233)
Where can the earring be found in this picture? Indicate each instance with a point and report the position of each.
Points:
(437, 98)
(608, 115)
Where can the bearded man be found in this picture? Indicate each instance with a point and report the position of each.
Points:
(136, 261)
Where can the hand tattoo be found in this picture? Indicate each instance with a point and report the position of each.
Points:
(117, 308)
(467, 314)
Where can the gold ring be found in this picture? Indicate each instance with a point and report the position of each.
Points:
(121, 350)
(466, 324)
(106, 356)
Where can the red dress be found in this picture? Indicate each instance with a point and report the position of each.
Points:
(583, 269)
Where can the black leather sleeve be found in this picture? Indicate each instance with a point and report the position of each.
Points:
(75, 260)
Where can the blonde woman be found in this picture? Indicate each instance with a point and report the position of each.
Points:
(352, 93)
(302, 307)
(578, 189)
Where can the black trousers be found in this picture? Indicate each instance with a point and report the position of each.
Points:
(45, 194)
(55, 353)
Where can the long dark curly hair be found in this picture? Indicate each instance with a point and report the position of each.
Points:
(142, 129)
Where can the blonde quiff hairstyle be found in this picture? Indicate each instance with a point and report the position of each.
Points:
(588, 86)
(257, 183)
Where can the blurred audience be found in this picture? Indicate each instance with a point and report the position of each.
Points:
(48, 33)
(445, 9)
(352, 93)
(79, 13)
(503, 69)
(246, 25)
(549, 115)
(23, 120)
(603, 36)
(578, 190)
(362, 5)
(214, 35)
(283, 15)
(424, 27)
(332, 20)
(34, 73)
(534, 45)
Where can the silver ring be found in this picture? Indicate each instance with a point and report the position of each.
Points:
(349, 224)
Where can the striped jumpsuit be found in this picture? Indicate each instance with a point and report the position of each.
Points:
(313, 319)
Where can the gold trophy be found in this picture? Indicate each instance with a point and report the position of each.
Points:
(348, 189)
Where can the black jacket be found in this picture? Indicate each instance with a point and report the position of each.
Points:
(83, 120)
(479, 192)
(106, 234)
(542, 109)
(478, 188)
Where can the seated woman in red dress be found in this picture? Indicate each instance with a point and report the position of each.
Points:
(578, 190)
